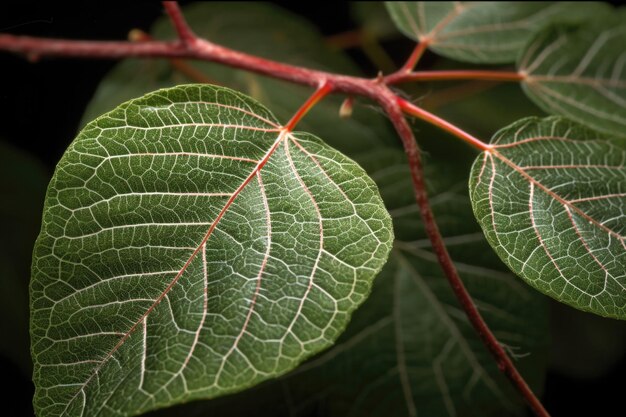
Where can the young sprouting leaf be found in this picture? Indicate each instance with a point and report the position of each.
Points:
(551, 198)
(483, 32)
(191, 248)
(579, 72)
(409, 349)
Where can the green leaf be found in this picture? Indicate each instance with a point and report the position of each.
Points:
(22, 192)
(483, 32)
(410, 349)
(579, 73)
(551, 196)
(264, 30)
(192, 248)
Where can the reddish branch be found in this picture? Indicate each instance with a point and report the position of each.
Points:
(420, 113)
(185, 34)
(394, 110)
(413, 59)
(189, 46)
(322, 91)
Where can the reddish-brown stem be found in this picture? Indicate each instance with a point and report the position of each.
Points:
(453, 75)
(394, 110)
(414, 58)
(191, 47)
(185, 34)
(199, 50)
(420, 113)
(319, 94)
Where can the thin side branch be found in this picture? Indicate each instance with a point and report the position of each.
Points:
(505, 364)
(413, 59)
(323, 90)
(420, 113)
(185, 34)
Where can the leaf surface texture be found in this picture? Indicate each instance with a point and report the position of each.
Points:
(191, 248)
(483, 32)
(551, 199)
(579, 72)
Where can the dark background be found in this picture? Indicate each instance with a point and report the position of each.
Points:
(42, 104)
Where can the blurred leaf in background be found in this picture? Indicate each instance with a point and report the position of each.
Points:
(22, 191)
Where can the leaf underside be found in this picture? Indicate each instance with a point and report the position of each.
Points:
(551, 199)
(482, 32)
(580, 73)
(191, 248)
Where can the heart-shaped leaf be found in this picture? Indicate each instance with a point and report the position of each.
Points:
(579, 73)
(483, 32)
(551, 198)
(190, 248)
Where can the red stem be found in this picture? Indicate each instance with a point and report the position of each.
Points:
(199, 50)
(420, 113)
(319, 94)
(414, 58)
(185, 34)
(393, 107)
(191, 47)
(454, 75)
